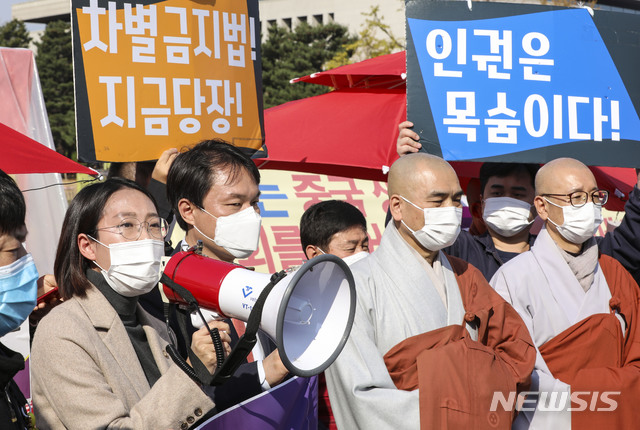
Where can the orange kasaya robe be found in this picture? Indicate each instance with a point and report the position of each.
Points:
(594, 356)
(458, 376)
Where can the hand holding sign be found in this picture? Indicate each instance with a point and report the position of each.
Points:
(408, 140)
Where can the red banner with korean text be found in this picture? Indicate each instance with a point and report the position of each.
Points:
(152, 75)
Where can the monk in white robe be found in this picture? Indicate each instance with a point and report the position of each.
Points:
(426, 320)
(581, 310)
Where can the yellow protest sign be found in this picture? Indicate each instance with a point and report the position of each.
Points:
(152, 75)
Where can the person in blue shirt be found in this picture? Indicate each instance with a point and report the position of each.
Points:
(18, 291)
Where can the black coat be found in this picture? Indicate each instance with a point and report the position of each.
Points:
(479, 251)
(13, 412)
(243, 384)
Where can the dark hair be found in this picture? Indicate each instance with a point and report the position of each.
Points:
(321, 221)
(139, 171)
(501, 170)
(122, 170)
(12, 206)
(194, 172)
(83, 216)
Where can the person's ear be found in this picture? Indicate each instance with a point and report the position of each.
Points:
(541, 208)
(87, 247)
(477, 209)
(186, 211)
(312, 251)
(394, 207)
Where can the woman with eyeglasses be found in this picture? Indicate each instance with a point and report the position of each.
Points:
(99, 360)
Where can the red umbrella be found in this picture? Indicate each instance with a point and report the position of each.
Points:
(352, 131)
(21, 154)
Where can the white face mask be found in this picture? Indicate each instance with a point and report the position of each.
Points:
(441, 226)
(238, 233)
(135, 266)
(354, 258)
(351, 259)
(580, 224)
(506, 216)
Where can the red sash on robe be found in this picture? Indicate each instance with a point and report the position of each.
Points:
(458, 376)
(593, 356)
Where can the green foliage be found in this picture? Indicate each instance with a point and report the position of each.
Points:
(14, 34)
(369, 44)
(55, 67)
(292, 54)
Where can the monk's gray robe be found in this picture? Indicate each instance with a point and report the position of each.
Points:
(396, 300)
(540, 285)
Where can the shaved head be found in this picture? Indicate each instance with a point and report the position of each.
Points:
(416, 182)
(556, 182)
(415, 173)
(562, 175)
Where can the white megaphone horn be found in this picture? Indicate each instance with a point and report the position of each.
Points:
(309, 313)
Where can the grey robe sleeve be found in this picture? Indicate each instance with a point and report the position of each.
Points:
(534, 416)
(362, 394)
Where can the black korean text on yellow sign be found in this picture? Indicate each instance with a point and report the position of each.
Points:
(152, 75)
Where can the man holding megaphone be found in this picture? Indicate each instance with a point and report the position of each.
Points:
(213, 190)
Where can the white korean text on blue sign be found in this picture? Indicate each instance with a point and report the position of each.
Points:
(503, 85)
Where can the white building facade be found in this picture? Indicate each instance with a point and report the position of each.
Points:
(349, 13)
(288, 13)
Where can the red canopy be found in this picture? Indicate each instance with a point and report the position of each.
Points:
(385, 71)
(21, 154)
(347, 133)
(352, 131)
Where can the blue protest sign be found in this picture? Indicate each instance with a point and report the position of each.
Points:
(519, 83)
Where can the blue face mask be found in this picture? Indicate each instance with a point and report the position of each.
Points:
(18, 293)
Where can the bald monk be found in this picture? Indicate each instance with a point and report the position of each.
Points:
(581, 308)
(431, 341)
(515, 180)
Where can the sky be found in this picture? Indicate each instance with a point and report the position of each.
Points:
(5, 9)
(5, 13)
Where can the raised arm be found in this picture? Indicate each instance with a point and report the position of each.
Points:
(623, 243)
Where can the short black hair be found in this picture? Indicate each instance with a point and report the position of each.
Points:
(83, 215)
(194, 172)
(12, 207)
(122, 170)
(501, 170)
(321, 221)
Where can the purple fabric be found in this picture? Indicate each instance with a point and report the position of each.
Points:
(22, 379)
(291, 405)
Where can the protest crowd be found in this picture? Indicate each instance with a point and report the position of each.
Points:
(449, 325)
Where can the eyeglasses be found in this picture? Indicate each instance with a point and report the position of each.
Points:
(131, 228)
(580, 198)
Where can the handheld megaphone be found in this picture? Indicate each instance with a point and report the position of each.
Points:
(308, 313)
